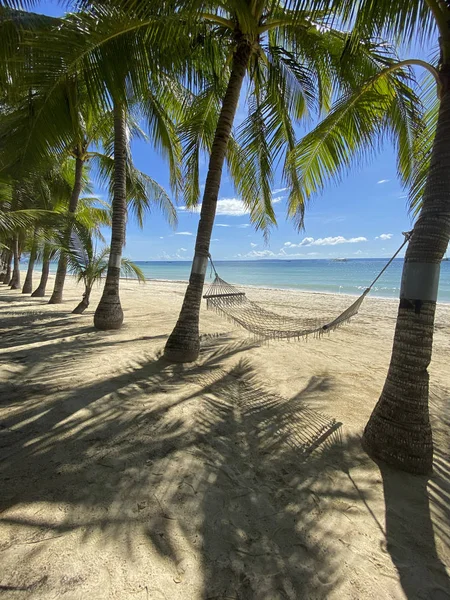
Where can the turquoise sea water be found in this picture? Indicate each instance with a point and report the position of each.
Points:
(349, 277)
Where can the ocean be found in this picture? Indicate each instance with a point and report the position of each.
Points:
(337, 277)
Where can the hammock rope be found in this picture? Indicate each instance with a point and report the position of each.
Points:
(226, 299)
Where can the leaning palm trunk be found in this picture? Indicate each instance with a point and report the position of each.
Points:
(28, 283)
(399, 430)
(183, 344)
(109, 314)
(7, 277)
(56, 297)
(40, 290)
(78, 310)
(3, 260)
(15, 280)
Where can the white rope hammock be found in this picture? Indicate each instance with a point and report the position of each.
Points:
(226, 299)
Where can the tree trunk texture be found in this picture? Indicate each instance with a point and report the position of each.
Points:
(7, 277)
(28, 283)
(183, 344)
(40, 290)
(399, 430)
(109, 313)
(79, 310)
(15, 280)
(3, 261)
(57, 295)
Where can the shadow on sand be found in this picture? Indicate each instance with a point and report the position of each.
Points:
(190, 469)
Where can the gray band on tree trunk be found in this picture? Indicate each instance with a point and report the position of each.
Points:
(200, 264)
(420, 281)
(115, 261)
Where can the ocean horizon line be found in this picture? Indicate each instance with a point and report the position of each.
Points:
(270, 259)
(318, 275)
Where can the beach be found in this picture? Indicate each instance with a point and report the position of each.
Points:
(240, 476)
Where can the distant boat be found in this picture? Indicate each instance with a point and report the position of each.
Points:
(339, 259)
(445, 257)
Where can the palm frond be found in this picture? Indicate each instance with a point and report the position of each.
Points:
(354, 131)
(130, 269)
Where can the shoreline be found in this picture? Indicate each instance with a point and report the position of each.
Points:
(258, 287)
(282, 289)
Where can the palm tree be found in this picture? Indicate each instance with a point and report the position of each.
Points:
(47, 254)
(90, 266)
(7, 276)
(293, 63)
(109, 314)
(75, 52)
(28, 283)
(399, 430)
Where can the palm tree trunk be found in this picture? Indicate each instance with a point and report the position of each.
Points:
(40, 290)
(399, 430)
(56, 297)
(7, 277)
(15, 281)
(183, 344)
(3, 261)
(28, 284)
(78, 310)
(109, 314)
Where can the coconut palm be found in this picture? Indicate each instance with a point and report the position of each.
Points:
(82, 126)
(28, 283)
(293, 65)
(130, 189)
(89, 266)
(399, 430)
(96, 52)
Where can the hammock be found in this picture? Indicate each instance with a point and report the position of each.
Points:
(227, 300)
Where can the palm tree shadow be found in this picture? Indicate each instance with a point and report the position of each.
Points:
(164, 462)
(410, 535)
(418, 516)
(254, 453)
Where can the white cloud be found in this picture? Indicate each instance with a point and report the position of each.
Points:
(184, 233)
(384, 236)
(232, 207)
(161, 237)
(328, 241)
(358, 252)
(259, 254)
(215, 240)
(253, 245)
(383, 181)
(222, 225)
(243, 226)
(176, 256)
(277, 199)
(269, 254)
(278, 190)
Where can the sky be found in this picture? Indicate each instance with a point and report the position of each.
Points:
(362, 216)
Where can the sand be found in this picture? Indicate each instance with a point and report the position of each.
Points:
(238, 477)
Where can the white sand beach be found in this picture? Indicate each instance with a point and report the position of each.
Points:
(240, 476)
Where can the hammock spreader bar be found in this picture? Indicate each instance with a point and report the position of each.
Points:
(234, 305)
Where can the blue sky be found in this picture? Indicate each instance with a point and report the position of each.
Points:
(363, 216)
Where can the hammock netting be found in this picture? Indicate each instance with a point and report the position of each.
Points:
(233, 304)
